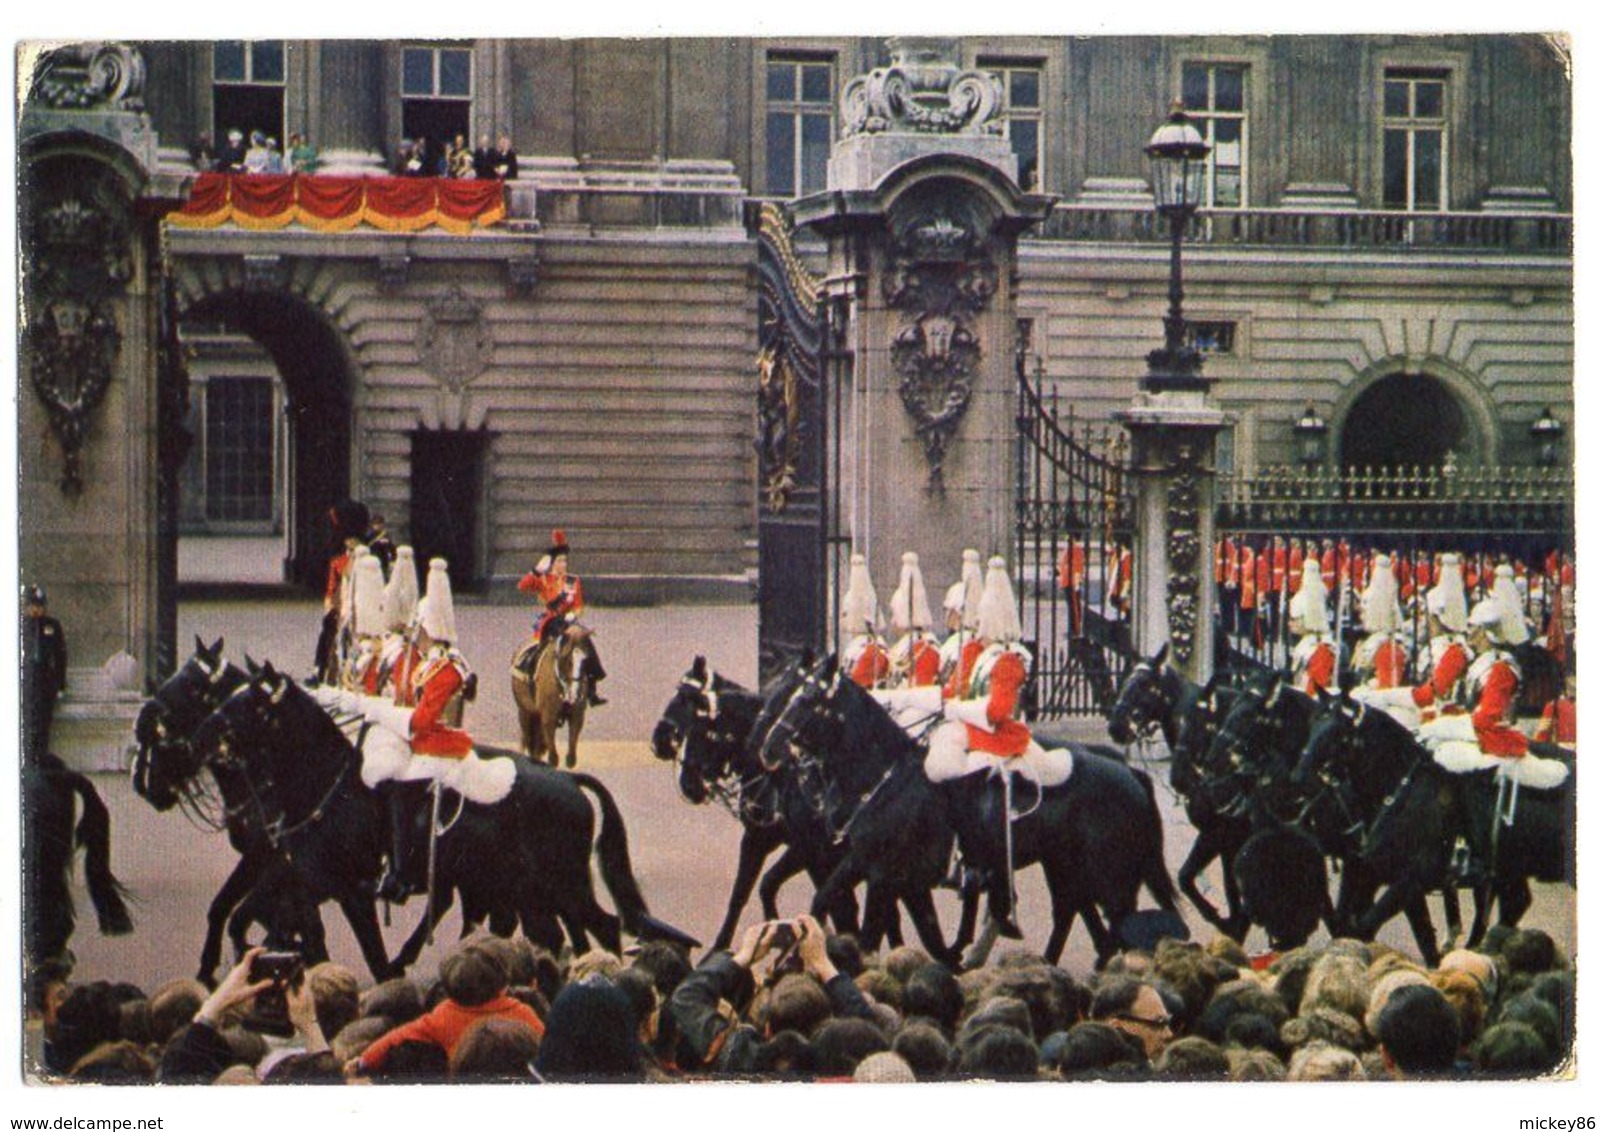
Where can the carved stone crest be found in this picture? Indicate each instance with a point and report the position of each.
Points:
(923, 91)
(85, 76)
(940, 279)
(454, 342)
(77, 242)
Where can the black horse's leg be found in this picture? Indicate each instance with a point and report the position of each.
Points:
(1423, 929)
(1451, 897)
(364, 920)
(541, 928)
(757, 845)
(440, 904)
(842, 879)
(924, 915)
(239, 884)
(1206, 849)
(791, 862)
(1513, 893)
(1395, 899)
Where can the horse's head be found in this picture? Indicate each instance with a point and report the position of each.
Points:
(682, 733)
(1147, 697)
(1237, 755)
(796, 709)
(241, 741)
(1332, 739)
(165, 762)
(673, 725)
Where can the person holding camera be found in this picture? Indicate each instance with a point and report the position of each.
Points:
(710, 1004)
(266, 992)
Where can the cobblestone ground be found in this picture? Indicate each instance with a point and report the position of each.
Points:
(684, 856)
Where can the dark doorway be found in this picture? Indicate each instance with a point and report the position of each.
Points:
(1407, 420)
(447, 481)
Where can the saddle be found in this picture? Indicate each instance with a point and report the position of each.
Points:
(528, 657)
(1456, 749)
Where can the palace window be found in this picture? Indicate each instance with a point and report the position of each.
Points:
(437, 93)
(1211, 337)
(1214, 97)
(1023, 117)
(1414, 140)
(799, 98)
(248, 89)
(238, 441)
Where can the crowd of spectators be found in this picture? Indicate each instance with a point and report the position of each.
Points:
(415, 157)
(792, 1003)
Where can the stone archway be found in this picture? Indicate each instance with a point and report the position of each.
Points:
(317, 374)
(1405, 418)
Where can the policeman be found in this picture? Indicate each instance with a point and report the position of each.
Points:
(44, 670)
(563, 599)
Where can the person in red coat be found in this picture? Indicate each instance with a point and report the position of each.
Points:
(1313, 657)
(1072, 574)
(1380, 658)
(983, 732)
(348, 523)
(563, 598)
(1559, 720)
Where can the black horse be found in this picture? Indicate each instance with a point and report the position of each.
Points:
(1416, 810)
(288, 768)
(50, 795)
(166, 773)
(1156, 695)
(1097, 836)
(705, 729)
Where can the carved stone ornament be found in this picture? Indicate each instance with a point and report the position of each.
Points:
(455, 343)
(939, 279)
(1185, 484)
(77, 238)
(89, 76)
(923, 91)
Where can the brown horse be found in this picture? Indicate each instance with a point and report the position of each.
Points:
(538, 693)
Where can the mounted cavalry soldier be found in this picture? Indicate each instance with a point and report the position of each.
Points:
(982, 732)
(1482, 735)
(865, 655)
(44, 671)
(914, 658)
(1314, 659)
(1442, 667)
(398, 655)
(367, 593)
(417, 738)
(1380, 658)
(563, 600)
(960, 606)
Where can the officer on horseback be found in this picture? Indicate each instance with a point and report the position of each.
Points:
(960, 605)
(44, 671)
(398, 655)
(423, 721)
(1381, 656)
(864, 656)
(1441, 667)
(914, 657)
(562, 602)
(361, 671)
(982, 732)
(1314, 659)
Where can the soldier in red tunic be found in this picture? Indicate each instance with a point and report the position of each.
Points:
(983, 732)
(914, 657)
(1072, 575)
(348, 523)
(864, 656)
(562, 600)
(1380, 658)
(1314, 657)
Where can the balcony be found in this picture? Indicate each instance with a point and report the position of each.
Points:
(1517, 232)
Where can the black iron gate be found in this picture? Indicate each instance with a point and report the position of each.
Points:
(801, 354)
(1074, 541)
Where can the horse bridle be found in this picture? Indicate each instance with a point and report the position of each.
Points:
(730, 788)
(1150, 702)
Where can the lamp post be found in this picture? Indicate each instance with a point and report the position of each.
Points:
(1547, 433)
(1310, 429)
(1178, 154)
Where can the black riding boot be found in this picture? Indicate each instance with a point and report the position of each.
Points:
(591, 670)
(396, 886)
(1001, 883)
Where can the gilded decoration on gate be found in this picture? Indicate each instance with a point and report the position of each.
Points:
(455, 344)
(78, 250)
(788, 352)
(939, 280)
(778, 426)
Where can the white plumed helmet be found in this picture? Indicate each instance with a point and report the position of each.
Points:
(910, 609)
(859, 600)
(436, 615)
(997, 617)
(971, 579)
(1504, 590)
(401, 592)
(368, 597)
(1448, 600)
(1308, 609)
(1380, 605)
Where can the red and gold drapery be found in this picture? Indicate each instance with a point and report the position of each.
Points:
(339, 204)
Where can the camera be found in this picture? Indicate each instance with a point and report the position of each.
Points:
(783, 936)
(270, 1011)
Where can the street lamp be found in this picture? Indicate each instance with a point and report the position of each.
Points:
(1310, 429)
(1547, 433)
(1178, 155)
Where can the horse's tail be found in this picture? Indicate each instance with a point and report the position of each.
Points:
(1156, 876)
(614, 863)
(94, 835)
